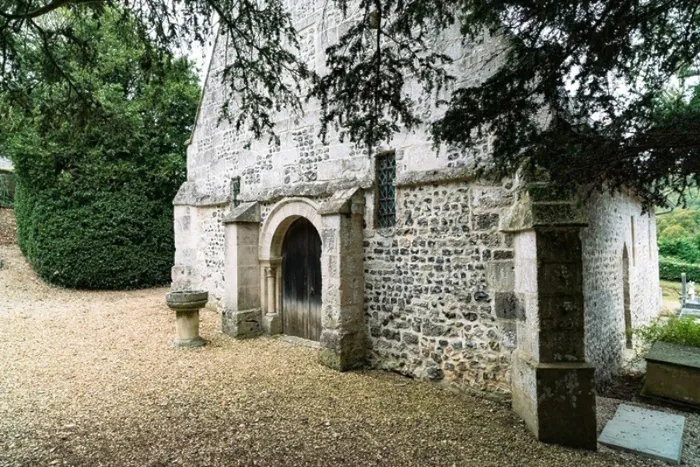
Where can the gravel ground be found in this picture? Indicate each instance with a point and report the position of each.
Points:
(90, 378)
(8, 227)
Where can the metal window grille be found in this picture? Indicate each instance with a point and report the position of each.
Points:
(236, 190)
(386, 192)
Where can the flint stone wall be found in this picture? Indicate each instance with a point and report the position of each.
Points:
(428, 305)
(439, 299)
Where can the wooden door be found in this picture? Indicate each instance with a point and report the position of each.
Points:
(301, 281)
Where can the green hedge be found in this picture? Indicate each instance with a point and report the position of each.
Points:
(7, 189)
(113, 241)
(671, 270)
(96, 177)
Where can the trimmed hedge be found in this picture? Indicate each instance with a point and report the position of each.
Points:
(96, 178)
(671, 270)
(114, 240)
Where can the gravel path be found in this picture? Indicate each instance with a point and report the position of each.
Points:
(89, 378)
(8, 227)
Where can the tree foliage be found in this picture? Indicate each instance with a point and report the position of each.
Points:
(96, 177)
(263, 71)
(578, 93)
(577, 90)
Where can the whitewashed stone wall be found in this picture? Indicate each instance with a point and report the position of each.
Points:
(432, 308)
(301, 165)
(610, 229)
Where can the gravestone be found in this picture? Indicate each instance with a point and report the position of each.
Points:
(649, 433)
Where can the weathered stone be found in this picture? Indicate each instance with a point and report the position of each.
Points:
(342, 352)
(485, 221)
(673, 372)
(434, 277)
(556, 400)
(186, 305)
(246, 212)
(241, 324)
(500, 275)
(506, 305)
(553, 386)
(650, 433)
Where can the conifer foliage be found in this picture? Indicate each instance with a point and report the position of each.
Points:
(578, 90)
(96, 176)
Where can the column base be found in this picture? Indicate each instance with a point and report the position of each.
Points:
(188, 343)
(342, 352)
(556, 400)
(272, 324)
(241, 324)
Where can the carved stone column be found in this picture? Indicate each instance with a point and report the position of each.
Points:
(241, 313)
(271, 321)
(553, 386)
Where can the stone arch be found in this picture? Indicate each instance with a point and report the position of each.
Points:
(253, 272)
(282, 215)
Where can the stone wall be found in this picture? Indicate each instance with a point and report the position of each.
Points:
(610, 220)
(301, 164)
(428, 306)
(199, 250)
(438, 286)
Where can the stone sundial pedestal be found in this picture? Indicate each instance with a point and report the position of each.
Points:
(186, 305)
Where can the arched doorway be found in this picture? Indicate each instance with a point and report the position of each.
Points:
(301, 281)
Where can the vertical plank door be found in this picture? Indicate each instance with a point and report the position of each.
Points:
(301, 281)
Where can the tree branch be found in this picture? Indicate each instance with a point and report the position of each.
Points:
(43, 10)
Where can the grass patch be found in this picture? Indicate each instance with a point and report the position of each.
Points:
(670, 296)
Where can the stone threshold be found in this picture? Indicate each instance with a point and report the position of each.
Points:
(299, 341)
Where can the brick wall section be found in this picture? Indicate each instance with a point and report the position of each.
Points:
(608, 231)
(428, 307)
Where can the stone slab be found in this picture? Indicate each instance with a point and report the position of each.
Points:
(649, 433)
(692, 304)
(690, 312)
(682, 355)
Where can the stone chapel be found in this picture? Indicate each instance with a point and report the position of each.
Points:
(402, 260)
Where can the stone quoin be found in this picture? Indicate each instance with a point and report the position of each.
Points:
(424, 270)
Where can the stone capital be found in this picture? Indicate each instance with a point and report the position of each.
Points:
(542, 206)
(343, 202)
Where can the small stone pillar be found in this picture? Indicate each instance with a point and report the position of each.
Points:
(343, 345)
(272, 324)
(553, 386)
(186, 305)
(241, 313)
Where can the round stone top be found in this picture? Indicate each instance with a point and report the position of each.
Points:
(187, 299)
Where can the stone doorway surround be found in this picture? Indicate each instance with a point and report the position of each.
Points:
(253, 273)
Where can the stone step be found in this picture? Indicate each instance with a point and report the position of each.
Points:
(692, 312)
